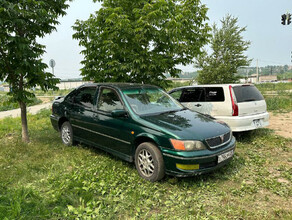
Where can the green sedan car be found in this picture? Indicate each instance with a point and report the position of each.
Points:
(143, 124)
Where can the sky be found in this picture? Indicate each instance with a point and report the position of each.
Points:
(271, 42)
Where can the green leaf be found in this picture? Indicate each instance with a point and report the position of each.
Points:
(140, 41)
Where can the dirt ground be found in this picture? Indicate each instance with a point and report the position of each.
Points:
(45, 99)
(281, 123)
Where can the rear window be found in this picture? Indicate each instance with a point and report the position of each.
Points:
(247, 94)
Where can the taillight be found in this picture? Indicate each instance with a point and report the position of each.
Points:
(234, 103)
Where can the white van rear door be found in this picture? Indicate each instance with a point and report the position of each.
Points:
(249, 99)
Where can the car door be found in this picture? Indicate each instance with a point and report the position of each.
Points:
(79, 111)
(112, 132)
(193, 98)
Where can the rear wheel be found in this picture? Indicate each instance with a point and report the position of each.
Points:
(67, 133)
(149, 162)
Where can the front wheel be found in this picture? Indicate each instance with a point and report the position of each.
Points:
(67, 133)
(149, 162)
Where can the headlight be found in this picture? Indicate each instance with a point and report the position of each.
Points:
(187, 145)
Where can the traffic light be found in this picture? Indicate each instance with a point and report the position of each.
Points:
(284, 16)
(288, 19)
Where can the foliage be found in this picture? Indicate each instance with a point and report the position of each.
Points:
(276, 87)
(278, 96)
(227, 55)
(173, 84)
(287, 75)
(21, 66)
(60, 92)
(47, 180)
(279, 103)
(283, 72)
(140, 41)
(5, 104)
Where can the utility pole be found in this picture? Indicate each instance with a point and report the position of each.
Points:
(257, 71)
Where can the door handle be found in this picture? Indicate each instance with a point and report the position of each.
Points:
(198, 105)
(95, 117)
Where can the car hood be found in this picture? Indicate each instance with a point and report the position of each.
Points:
(188, 125)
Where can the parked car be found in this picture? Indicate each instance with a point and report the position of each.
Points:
(241, 106)
(143, 124)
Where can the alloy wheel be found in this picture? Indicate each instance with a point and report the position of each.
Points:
(66, 135)
(146, 163)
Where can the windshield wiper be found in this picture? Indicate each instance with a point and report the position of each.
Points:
(172, 111)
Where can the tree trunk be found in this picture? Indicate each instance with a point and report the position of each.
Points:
(25, 137)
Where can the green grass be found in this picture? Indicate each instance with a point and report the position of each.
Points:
(5, 105)
(278, 96)
(279, 103)
(263, 87)
(47, 180)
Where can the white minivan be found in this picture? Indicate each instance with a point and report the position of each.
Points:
(241, 106)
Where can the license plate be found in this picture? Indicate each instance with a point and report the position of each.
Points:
(225, 156)
(257, 123)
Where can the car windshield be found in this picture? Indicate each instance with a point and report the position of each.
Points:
(144, 101)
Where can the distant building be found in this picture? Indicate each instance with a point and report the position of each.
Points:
(4, 88)
(269, 78)
(71, 84)
(251, 79)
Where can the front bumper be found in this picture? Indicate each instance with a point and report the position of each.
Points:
(205, 161)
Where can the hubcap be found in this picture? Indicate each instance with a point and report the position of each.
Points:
(146, 163)
(66, 135)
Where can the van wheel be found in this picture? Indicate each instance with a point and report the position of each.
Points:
(149, 162)
(67, 133)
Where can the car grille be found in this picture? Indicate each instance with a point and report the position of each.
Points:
(218, 141)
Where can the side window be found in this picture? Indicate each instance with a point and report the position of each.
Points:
(176, 94)
(70, 97)
(214, 94)
(109, 101)
(85, 96)
(193, 95)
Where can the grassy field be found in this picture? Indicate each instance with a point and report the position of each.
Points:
(47, 180)
(61, 92)
(5, 105)
(277, 95)
(263, 87)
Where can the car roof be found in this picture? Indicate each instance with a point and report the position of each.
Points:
(212, 85)
(119, 85)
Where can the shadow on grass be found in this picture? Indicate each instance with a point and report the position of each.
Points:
(224, 173)
(249, 136)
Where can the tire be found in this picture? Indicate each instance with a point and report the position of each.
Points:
(149, 162)
(67, 133)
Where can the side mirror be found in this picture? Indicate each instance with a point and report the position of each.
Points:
(119, 113)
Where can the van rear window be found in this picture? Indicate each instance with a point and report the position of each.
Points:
(247, 93)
